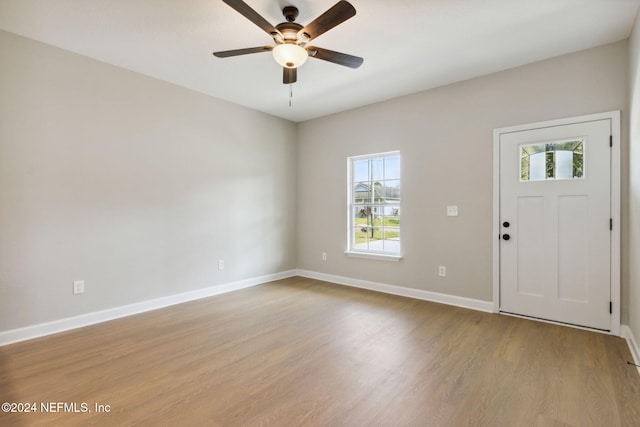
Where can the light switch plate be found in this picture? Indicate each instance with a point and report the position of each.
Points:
(78, 287)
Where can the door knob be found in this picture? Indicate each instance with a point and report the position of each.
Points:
(506, 224)
(506, 237)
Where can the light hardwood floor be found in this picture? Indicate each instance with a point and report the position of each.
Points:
(304, 352)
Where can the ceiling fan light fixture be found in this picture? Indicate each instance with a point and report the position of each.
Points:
(290, 55)
(290, 38)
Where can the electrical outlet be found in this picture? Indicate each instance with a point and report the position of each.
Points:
(324, 256)
(452, 211)
(442, 271)
(78, 287)
(221, 264)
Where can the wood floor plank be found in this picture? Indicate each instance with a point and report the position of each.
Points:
(304, 352)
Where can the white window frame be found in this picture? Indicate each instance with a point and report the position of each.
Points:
(367, 253)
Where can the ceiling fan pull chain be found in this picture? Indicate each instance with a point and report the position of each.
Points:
(290, 94)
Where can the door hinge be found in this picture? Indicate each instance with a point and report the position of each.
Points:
(610, 307)
(610, 223)
(610, 140)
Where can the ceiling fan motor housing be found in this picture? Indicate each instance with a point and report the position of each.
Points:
(290, 13)
(290, 31)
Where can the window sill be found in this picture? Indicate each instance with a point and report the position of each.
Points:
(369, 255)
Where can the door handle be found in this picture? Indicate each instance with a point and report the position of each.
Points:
(505, 237)
(506, 224)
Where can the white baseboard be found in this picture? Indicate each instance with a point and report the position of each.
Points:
(457, 301)
(627, 333)
(42, 329)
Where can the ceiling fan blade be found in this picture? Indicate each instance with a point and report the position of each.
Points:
(290, 75)
(337, 14)
(335, 57)
(245, 10)
(236, 52)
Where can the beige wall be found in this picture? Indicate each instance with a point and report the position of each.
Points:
(132, 184)
(445, 136)
(634, 182)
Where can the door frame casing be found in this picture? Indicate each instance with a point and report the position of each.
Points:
(614, 116)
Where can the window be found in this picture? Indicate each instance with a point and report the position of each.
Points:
(374, 205)
(552, 160)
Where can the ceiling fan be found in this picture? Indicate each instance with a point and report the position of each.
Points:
(291, 49)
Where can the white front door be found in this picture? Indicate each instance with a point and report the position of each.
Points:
(555, 213)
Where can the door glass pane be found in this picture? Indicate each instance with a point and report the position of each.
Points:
(554, 160)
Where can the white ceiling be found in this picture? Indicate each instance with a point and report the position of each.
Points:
(407, 45)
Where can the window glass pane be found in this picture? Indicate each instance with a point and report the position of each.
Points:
(391, 218)
(361, 170)
(362, 225)
(391, 240)
(367, 237)
(555, 160)
(362, 215)
(391, 228)
(392, 192)
(362, 192)
(386, 192)
(392, 167)
(379, 191)
(377, 166)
